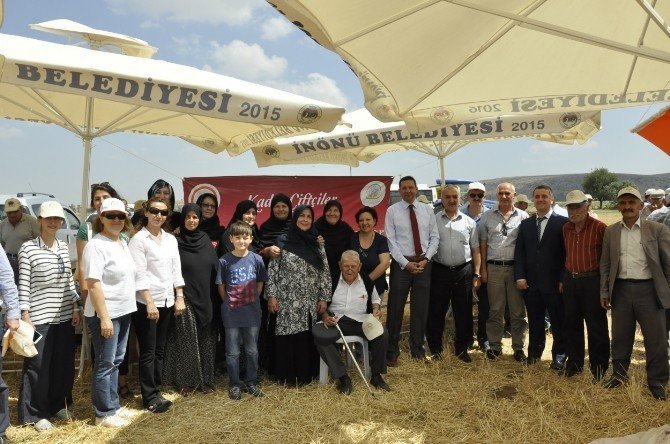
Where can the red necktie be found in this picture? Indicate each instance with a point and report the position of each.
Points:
(415, 231)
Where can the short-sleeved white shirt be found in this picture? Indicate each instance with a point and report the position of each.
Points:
(111, 263)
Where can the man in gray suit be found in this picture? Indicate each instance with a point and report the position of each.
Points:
(635, 283)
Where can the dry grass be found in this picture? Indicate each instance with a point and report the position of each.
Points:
(446, 401)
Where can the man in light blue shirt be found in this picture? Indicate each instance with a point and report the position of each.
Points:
(9, 301)
(413, 239)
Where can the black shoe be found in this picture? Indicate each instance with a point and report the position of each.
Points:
(159, 406)
(254, 390)
(569, 372)
(520, 356)
(492, 354)
(484, 345)
(658, 392)
(613, 382)
(557, 365)
(345, 385)
(378, 382)
(507, 334)
(464, 356)
(532, 360)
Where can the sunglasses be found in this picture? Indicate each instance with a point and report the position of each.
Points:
(476, 196)
(504, 229)
(112, 216)
(155, 211)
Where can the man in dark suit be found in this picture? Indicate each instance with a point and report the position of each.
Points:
(539, 256)
(635, 284)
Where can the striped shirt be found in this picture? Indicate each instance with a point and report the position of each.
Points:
(46, 286)
(583, 249)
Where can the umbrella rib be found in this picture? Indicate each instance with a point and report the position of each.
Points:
(69, 125)
(103, 129)
(497, 36)
(640, 42)
(208, 128)
(655, 16)
(560, 31)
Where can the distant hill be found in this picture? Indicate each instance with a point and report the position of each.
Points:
(562, 183)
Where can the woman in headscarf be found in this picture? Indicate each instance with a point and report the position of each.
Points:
(189, 354)
(298, 291)
(164, 191)
(275, 226)
(337, 234)
(210, 224)
(246, 212)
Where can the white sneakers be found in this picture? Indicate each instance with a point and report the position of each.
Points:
(126, 413)
(43, 425)
(115, 421)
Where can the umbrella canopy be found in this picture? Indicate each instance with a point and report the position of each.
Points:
(458, 60)
(365, 138)
(656, 129)
(94, 93)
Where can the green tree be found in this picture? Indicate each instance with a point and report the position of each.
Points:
(601, 184)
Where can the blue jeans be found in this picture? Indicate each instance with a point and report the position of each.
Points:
(250, 336)
(109, 354)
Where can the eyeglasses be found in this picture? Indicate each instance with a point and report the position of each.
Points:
(206, 205)
(112, 216)
(362, 253)
(154, 211)
(504, 229)
(477, 196)
(61, 265)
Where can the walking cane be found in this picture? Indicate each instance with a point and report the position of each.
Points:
(353, 358)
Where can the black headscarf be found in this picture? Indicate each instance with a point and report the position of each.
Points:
(273, 227)
(225, 245)
(211, 226)
(303, 244)
(176, 216)
(198, 262)
(337, 238)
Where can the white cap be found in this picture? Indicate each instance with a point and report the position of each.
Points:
(51, 209)
(657, 193)
(575, 197)
(423, 199)
(667, 191)
(630, 190)
(588, 196)
(649, 191)
(112, 204)
(372, 328)
(477, 186)
(20, 341)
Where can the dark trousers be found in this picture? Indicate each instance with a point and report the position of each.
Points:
(14, 263)
(446, 287)
(633, 302)
(151, 336)
(482, 314)
(581, 301)
(325, 338)
(401, 283)
(537, 304)
(48, 377)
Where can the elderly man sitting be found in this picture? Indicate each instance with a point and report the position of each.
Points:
(353, 301)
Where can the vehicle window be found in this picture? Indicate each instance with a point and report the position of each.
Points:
(71, 219)
(36, 209)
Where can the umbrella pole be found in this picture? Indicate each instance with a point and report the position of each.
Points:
(442, 171)
(85, 179)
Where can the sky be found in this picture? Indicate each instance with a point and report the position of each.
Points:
(249, 40)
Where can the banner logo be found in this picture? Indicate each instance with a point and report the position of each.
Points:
(373, 193)
(309, 114)
(271, 151)
(441, 115)
(569, 120)
(203, 188)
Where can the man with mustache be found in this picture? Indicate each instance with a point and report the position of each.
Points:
(635, 284)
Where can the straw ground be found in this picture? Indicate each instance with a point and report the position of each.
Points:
(445, 401)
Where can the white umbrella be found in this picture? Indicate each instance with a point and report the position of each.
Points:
(94, 93)
(365, 138)
(433, 62)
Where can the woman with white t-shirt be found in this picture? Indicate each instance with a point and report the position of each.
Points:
(109, 270)
(157, 279)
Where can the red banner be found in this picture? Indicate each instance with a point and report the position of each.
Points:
(353, 192)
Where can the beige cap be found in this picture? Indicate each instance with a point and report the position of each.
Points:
(575, 197)
(522, 198)
(629, 190)
(648, 192)
(477, 186)
(657, 194)
(12, 204)
(372, 328)
(51, 209)
(21, 341)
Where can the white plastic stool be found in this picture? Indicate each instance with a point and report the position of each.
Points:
(323, 371)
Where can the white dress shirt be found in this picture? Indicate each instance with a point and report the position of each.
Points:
(352, 300)
(543, 222)
(399, 231)
(458, 236)
(158, 266)
(632, 261)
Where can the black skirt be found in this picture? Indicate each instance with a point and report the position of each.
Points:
(296, 359)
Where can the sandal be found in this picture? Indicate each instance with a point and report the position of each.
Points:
(125, 392)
